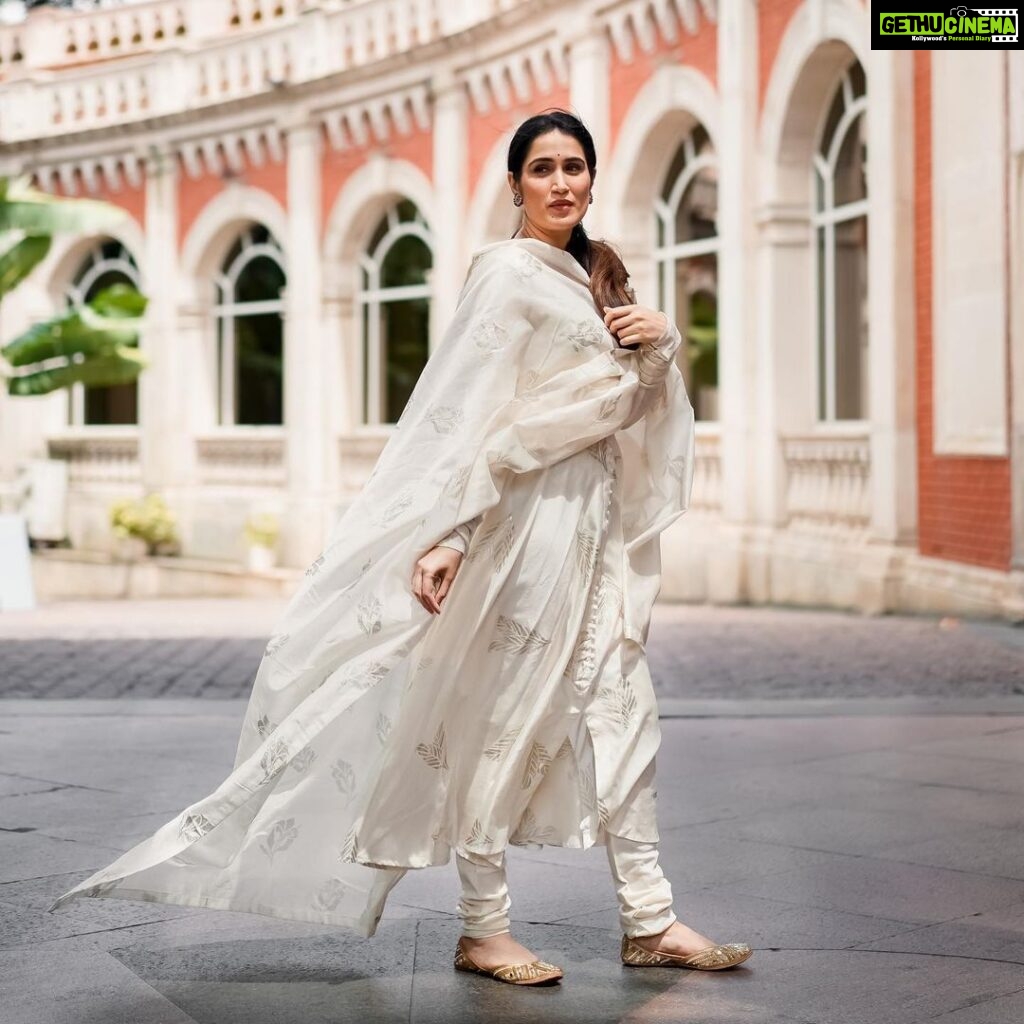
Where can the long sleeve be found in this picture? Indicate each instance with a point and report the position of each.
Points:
(460, 537)
(654, 360)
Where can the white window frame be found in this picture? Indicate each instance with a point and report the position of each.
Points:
(226, 281)
(90, 269)
(826, 219)
(671, 252)
(370, 298)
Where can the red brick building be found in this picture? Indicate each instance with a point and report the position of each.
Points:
(305, 182)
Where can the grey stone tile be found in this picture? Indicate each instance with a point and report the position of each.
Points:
(883, 888)
(935, 769)
(48, 986)
(996, 934)
(26, 921)
(954, 804)
(316, 979)
(827, 828)
(1007, 1009)
(25, 855)
(60, 811)
(853, 987)
(1005, 744)
(193, 928)
(977, 849)
(20, 785)
(725, 916)
(692, 859)
(117, 835)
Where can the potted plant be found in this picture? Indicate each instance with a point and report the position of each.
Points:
(261, 533)
(143, 527)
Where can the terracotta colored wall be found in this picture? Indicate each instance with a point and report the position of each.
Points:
(337, 166)
(129, 197)
(195, 193)
(773, 17)
(699, 52)
(486, 129)
(963, 501)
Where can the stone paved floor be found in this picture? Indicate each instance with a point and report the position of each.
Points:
(212, 648)
(864, 832)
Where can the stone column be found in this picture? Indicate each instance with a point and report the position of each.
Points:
(165, 436)
(748, 433)
(891, 366)
(1015, 72)
(451, 194)
(589, 71)
(305, 385)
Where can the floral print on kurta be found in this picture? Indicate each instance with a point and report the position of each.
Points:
(379, 737)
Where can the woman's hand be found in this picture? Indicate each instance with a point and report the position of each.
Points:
(634, 324)
(433, 576)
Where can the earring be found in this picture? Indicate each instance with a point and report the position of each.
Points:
(591, 197)
(517, 199)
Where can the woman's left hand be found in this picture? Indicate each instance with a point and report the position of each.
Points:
(634, 324)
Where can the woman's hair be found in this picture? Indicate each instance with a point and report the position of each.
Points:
(608, 275)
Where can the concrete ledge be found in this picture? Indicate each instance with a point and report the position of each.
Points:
(706, 560)
(63, 574)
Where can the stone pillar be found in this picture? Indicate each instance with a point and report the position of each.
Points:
(165, 436)
(1015, 72)
(589, 71)
(891, 362)
(451, 195)
(305, 384)
(748, 434)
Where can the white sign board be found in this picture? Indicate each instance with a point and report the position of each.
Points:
(16, 590)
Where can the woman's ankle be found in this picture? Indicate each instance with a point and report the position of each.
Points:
(484, 938)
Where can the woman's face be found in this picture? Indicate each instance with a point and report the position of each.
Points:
(555, 185)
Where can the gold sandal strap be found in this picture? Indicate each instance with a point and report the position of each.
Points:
(524, 972)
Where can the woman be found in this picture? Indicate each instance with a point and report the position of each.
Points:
(539, 457)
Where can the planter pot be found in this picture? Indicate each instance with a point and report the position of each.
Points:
(130, 549)
(261, 559)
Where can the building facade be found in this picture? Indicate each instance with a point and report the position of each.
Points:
(305, 182)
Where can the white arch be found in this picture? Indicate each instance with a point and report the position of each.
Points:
(216, 228)
(357, 209)
(812, 55)
(674, 99)
(491, 215)
(66, 255)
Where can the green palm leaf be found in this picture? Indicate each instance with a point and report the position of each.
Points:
(23, 208)
(93, 329)
(21, 259)
(121, 366)
(95, 344)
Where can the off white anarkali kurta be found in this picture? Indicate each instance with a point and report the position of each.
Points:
(379, 737)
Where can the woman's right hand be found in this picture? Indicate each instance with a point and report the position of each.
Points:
(433, 576)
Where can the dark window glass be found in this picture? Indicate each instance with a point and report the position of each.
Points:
(118, 404)
(259, 361)
(406, 333)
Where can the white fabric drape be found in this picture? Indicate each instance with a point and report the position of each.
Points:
(379, 737)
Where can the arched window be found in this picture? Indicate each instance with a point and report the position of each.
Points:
(841, 253)
(686, 215)
(394, 300)
(107, 263)
(250, 348)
